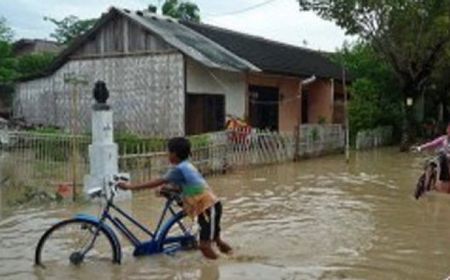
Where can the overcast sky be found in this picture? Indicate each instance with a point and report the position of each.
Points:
(274, 19)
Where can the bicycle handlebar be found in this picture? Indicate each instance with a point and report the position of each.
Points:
(108, 191)
(122, 177)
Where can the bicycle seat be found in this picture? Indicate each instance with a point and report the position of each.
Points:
(172, 194)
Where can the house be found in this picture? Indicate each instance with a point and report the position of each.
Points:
(169, 77)
(31, 46)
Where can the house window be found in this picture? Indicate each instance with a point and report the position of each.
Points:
(204, 113)
(264, 107)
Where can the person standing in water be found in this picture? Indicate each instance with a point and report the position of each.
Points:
(442, 145)
(198, 199)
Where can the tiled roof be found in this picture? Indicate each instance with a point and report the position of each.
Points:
(271, 56)
(218, 47)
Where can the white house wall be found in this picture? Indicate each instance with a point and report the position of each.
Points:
(203, 80)
(146, 93)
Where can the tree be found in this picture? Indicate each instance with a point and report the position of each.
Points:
(31, 64)
(438, 105)
(70, 28)
(411, 35)
(6, 33)
(7, 63)
(184, 10)
(374, 91)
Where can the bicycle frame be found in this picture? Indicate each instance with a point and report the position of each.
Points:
(157, 239)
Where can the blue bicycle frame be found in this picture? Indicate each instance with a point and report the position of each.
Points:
(158, 242)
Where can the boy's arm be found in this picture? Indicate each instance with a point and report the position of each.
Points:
(432, 144)
(147, 185)
(173, 176)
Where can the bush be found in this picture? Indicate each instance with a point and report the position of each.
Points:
(375, 98)
(133, 144)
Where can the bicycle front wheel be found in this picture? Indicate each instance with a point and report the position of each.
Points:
(69, 242)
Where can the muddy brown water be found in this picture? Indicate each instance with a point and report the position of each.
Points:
(316, 219)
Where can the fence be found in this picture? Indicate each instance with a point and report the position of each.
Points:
(48, 159)
(380, 136)
(315, 139)
(214, 153)
(42, 159)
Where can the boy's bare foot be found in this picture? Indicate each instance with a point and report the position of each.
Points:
(207, 250)
(223, 246)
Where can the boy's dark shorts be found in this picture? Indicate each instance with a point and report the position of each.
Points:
(209, 222)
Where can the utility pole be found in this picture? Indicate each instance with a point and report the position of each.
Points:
(74, 81)
(347, 125)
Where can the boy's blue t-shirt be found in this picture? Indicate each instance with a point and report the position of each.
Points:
(186, 176)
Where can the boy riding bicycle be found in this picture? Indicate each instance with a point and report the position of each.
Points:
(198, 199)
(442, 146)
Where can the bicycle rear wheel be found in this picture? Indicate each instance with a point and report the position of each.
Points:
(65, 243)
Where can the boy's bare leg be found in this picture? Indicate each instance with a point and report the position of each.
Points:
(207, 250)
(223, 246)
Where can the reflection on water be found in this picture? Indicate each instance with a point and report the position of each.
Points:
(317, 219)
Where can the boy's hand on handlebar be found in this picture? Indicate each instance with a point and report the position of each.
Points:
(167, 190)
(124, 185)
(158, 192)
(416, 149)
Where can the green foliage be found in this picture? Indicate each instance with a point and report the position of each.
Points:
(58, 149)
(50, 143)
(133, 144)
(184, 10)
(7, 63)
(70, 28)
(322, 120)
(7, 72)
(314, 134)
(47, 130)
(11, 67)
(411, 36)
(375, 98)
(6, 33)
(31, 64)
(200, 141)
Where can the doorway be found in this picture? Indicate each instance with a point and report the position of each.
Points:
(264, 107)
(205, 113)
(304, 108)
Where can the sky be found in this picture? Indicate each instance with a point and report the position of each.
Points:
(278, 20)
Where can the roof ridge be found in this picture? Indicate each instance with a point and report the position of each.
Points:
(148, 14)
(36, 40)
(151, 16)
(257, 37)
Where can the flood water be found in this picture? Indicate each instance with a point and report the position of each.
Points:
(316, 219)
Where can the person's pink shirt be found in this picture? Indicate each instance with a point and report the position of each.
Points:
(436, 143)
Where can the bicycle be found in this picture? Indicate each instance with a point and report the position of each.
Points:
(98, 240)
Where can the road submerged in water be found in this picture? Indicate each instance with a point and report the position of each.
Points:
(315, 219)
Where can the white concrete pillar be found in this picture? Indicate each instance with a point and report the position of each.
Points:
(103, 152)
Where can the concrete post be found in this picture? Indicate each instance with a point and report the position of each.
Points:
(103, 152)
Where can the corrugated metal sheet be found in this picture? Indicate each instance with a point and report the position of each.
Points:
(189, 42)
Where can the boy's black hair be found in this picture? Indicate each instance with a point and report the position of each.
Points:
(180, 146)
